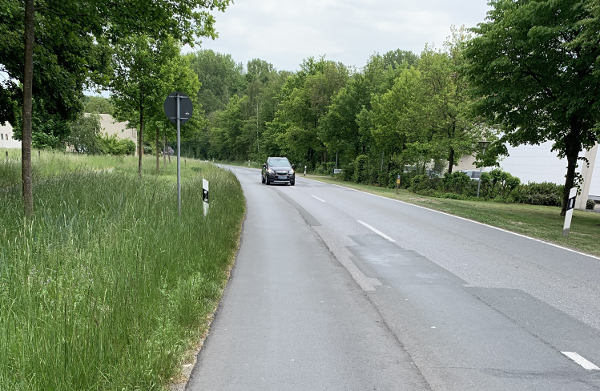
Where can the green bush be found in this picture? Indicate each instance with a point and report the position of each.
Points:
(457, 182)
(361, 169)
(111, 145)
(590, 204)
(420, 182)
(545, 193)
(348, 172)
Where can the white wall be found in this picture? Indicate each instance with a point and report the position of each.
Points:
(537, 163)
(6, 138)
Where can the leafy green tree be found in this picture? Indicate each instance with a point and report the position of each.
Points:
(84, 135)
(535, 74)
(70, 48)
(401, 117)
(454, 131)
(228, 139)
(306, 97)
(220, 77)
(98, 105)
(145, 71)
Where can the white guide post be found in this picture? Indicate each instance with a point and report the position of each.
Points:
(569, 214)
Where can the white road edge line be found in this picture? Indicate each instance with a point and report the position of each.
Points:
(318, 198)
(377, 231)
(581, 361)
(473, 221)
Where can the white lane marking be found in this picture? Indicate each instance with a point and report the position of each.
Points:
(318, 198)
(377, 231)
(473, 221)
(581, 361)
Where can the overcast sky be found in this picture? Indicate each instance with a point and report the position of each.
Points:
(284, 32)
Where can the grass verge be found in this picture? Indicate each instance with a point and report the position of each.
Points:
(541, 222)
(105, 287)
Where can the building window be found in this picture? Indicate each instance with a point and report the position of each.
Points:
(2, 137)
(7, 136)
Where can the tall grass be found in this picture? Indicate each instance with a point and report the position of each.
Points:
(105, 287)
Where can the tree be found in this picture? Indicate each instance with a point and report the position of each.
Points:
(98, 105)
(78, 33)
(146, 71)
(306, 97)
(535, 76)
(401, 117)
(220, 76)
(84, 134)
(454, 130)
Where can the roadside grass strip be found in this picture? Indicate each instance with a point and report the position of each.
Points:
(105, 288)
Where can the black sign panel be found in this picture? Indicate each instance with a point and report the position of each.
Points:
(204, 195)
(571, 203)
(185, 107)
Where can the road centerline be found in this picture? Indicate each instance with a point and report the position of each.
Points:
(377, 231)
(581, 361)
(314, 196)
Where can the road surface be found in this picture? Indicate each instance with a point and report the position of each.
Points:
(336, 289)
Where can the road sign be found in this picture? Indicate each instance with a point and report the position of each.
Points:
(186, 107)
(179, 109)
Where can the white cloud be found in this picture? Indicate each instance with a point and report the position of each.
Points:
(284, 32)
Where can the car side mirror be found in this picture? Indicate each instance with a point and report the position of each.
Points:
(264, 166)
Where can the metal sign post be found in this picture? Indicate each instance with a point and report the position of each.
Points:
(178, 108)
(569, 214)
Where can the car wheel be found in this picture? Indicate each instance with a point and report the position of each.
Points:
(292, 183)
(262, 179)
(267, 180)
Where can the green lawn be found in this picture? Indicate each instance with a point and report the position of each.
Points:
(105, 288)
(541, 222)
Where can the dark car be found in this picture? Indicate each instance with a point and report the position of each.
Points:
(278, 170)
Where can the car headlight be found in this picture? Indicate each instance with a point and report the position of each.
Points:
(270, 171)
(291, 172)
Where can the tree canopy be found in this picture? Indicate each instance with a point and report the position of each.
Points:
(535, 74)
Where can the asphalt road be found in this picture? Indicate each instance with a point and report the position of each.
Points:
(335, 289)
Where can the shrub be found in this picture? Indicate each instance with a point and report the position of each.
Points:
(419, 182)
(348, 172)
(590, 204)
(545, 193)
(456, 182)
(111, 145)
(361, 169)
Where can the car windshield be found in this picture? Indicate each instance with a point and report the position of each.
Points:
(279, 162)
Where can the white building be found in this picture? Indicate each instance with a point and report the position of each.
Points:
(107, 124)
(120, 129)
(6, 137)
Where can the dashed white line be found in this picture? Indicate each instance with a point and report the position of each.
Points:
(377, 231)
(581, 361)
(472, 221)
(318, 198)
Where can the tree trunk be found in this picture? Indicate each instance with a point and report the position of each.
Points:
(27, 109)
(572, 149)
(451, 160)
(140, 140)
(157, 153)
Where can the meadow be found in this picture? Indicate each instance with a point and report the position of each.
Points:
(105, 287)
